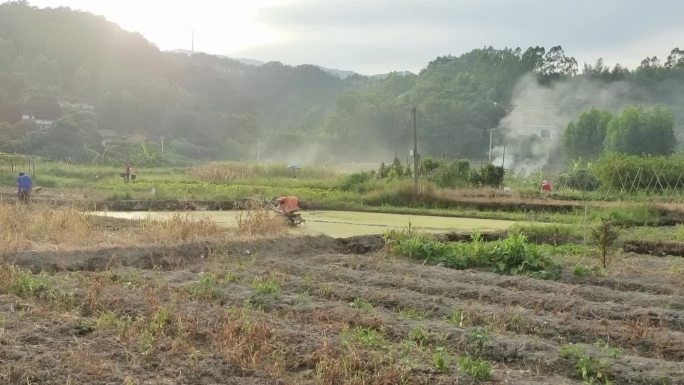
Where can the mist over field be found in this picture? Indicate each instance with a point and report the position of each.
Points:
(75, 87)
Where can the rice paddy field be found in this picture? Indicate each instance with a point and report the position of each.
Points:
(343, 223)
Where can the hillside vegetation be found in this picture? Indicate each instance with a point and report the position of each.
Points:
(93, 92)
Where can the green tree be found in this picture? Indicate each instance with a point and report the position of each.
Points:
(556, 65)
(675, 59)
(585, 138)
(637, 132)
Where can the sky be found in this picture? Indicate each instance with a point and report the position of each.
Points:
(379, 36)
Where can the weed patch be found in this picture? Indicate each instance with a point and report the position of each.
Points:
(368, 337)
(474, 367)
(590, 369)
(586, 271)
(513, 255)
(24, 284)
(266, 286)
(362, 304)
(208, 287)
(420, 336)
(441, 359)
(410, 313)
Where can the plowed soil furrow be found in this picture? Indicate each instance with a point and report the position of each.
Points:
(296, 311)
(639, 339)
(520, 352)
(529, 293)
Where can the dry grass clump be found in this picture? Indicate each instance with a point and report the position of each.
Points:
(230, 171)
(21, 225)
(180, 227)
(259, 220)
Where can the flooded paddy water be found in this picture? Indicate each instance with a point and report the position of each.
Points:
(343, 223)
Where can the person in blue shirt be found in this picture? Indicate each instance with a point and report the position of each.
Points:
(24, 186)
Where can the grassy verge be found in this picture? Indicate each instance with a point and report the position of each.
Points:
(322, 188)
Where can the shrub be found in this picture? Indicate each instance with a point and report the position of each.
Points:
(513, 255)
(489, 175)
(355, 182)
(451, 174)
(604, 236)
(581, 179)
(630, 173)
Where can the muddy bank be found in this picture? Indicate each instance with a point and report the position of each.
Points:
(654, 247)
(179, 255)
(163, 257)
(169, 205)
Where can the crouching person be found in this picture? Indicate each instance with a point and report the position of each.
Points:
(24, 186)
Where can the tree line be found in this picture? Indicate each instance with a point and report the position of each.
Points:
(111, 95)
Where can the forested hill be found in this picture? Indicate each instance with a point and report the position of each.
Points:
(107, 83)
(75, 86)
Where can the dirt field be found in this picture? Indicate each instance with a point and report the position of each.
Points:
(304, 311)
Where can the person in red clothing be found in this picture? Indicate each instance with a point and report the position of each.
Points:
(545, 186)
(288, 204)
(289, 207)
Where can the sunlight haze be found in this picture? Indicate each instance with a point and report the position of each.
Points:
(387, 35)
(219, 27)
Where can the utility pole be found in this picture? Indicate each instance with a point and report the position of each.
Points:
(415, 148)
(259, 151)
(490, 144)
(192, 44)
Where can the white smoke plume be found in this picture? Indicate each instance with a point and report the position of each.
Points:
(545, 111)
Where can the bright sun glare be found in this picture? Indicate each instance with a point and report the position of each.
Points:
(219, 26)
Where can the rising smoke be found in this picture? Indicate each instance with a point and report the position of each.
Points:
(534, 127)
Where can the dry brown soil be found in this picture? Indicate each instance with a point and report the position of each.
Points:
(315, 310)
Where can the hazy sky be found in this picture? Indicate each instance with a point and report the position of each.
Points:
(377, 36)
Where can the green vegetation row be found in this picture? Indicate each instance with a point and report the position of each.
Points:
(513, 255)
(323, 187)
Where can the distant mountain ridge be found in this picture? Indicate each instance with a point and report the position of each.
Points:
(342, 74)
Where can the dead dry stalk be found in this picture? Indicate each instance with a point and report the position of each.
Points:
(257, 219)
(181, 227)
(23, 224)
